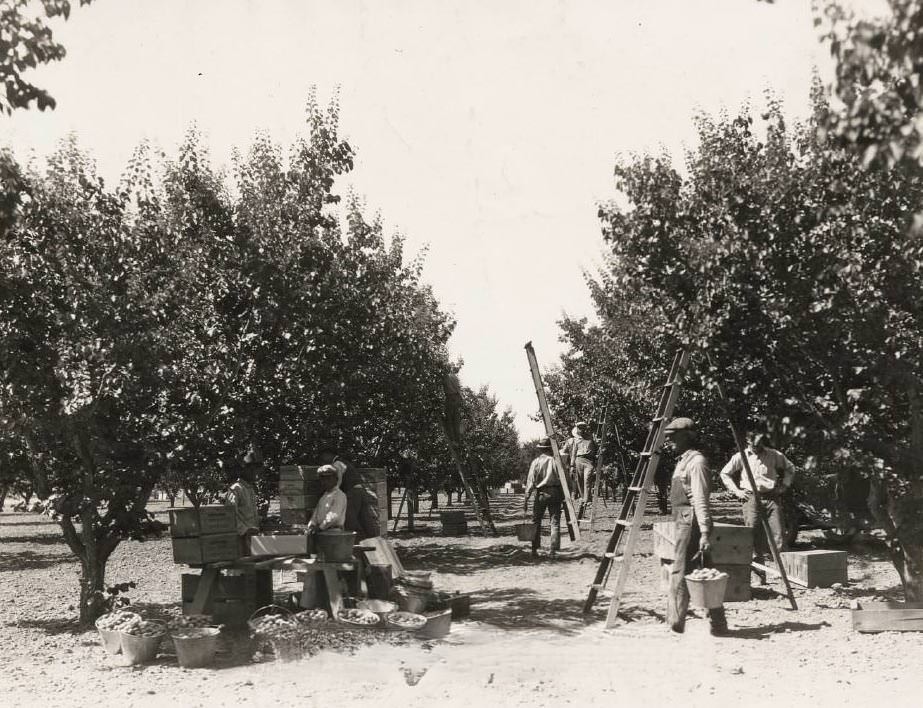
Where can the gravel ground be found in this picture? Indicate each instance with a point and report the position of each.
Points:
(525, 644)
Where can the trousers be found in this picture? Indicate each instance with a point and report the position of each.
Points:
(687, 536)
(583, 475)
(550, 499)
(772, 508)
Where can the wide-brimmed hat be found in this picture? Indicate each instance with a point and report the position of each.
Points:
(544, 443)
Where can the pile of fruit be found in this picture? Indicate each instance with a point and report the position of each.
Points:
(405, 620)
(706, 574)
(145, 628)
(119, 621)
(312, 616)
(271, 625)
(190, 621)
(365, 618)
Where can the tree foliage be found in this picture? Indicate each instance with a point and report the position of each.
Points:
(796, 272)
(26, 41)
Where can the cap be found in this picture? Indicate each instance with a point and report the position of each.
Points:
(544, 443)
(581, 425)
(325, 470)
(680, 424)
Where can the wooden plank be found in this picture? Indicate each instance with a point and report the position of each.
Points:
(888, 617)
(205, 591)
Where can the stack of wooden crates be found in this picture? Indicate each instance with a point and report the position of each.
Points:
(731, 552)
(300, 490)
(204, 535)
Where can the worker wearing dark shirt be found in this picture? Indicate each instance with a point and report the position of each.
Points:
(361, 507)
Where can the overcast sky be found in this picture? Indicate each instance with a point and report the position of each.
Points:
(486, 129)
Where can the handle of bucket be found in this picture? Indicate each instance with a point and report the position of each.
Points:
(277, 610)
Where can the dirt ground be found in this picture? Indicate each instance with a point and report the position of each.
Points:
(526, 642)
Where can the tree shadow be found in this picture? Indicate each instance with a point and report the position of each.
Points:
(27, 560)
(463, 560)
(38, 539)
(520, 609)
(16, 524)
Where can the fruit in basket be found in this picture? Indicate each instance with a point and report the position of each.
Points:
(706, 574)
(271, 624)
(118, 621)
(405, 620)
(357, 616)
(146, 629)
(189, 621)
(311, 616)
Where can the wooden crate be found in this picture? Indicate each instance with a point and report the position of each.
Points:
(730, 544)
(297, 501)
(375, 482)
(303, 473)
(283, 545)
(206, 549)
(816, 569)
(255, 586)
(297, 486)
(738, 587)
(888, 617)
(187, 522)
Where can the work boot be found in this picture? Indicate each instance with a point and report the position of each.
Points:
(718, 620)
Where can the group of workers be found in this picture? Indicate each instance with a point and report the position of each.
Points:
(689, 492)
(344, 504)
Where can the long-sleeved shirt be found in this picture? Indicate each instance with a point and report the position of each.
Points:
(542, 473)
(243, 497)
(772, 471)
(330, 512)
(692, 471)
(579, 447)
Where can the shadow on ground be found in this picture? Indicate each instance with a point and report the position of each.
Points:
(44, 539)
(514, 609)
(770, 629)
(27, 560)
(463, 560)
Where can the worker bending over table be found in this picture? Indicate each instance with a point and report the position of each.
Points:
(330, 512)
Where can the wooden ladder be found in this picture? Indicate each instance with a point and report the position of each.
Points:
(570, 516)
(632, 511)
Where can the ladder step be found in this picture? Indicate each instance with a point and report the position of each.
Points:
(623, 522)
(635, 489)
(615, 556)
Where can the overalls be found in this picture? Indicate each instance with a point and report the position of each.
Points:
(686, 546)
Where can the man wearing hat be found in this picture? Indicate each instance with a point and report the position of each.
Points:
(242, 496)
(580, 450)
(330, 512)
(689, 492)
(543, 479)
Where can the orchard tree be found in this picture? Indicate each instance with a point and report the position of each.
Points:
(26, 40)
(796, 272)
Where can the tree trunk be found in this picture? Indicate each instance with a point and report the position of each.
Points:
(3, 490)
(92, 589)
(411, 495)
(910, 567)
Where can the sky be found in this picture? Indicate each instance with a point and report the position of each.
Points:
(486, 130)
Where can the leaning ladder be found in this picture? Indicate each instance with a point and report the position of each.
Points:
(635, 501)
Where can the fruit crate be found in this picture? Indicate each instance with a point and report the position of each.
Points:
(188, 522)
(206, 549)
(300, 473)
(816, 569)
(731, 544)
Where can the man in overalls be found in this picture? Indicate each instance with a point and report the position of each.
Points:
(543, 480)
(689, 500)
(580, 449)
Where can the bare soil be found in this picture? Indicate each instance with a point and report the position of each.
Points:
(526, 643)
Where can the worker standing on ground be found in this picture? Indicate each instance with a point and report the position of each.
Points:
(543, 480)
(692, 518)
(580, 450)
(773, 474)
(330, 512)
(242, 496)
(361, 507)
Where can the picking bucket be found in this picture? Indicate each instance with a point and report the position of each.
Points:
(335, 545)
(196, 646)
(111, 639)
(139, 650)
(707, 594)
(437, 625)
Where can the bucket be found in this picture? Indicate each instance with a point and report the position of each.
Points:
(410, 601)
(139, 650)
(525, 531)
(707, 594)
(437, 625)
(196, 646)
(111, 638)
(335, 546)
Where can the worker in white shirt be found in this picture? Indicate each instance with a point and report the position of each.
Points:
(242, 496)
(543, 480)
(330, 512)
(773, 474)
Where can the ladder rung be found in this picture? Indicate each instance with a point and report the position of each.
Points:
(635, 489)
(597, 586)
(615, 556)
(623, 522)
(647, 453)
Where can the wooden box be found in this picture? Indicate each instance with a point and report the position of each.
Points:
(288, 545)
(206, 549)
(295, 516)
(187, 522)
(298, 501)
(375, 482)
(302, 473)
(816, 569)
(730, 544)
(888, 617)
(738, 587)
(255, 586)
(299, 487)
